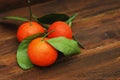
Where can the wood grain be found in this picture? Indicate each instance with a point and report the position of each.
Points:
(14, 4)
(97, 27)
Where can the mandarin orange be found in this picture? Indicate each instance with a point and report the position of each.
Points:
(41, 53)
(60, 28)
(28, 29)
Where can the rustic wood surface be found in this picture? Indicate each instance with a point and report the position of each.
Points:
(97, 26)
(13, 4)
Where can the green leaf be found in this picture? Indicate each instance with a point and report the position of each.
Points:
(71, 18)
(64, 45)
(69, 21)
(22, 57)
(15, 18)
(36, 19)
(50, 18)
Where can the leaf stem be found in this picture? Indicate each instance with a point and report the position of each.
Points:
(80, 44)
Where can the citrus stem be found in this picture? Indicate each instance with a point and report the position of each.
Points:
(48, 33)
(30, 11)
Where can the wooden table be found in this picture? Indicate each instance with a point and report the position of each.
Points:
(97, 26)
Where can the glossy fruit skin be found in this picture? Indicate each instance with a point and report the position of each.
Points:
(28, 29)
(60, 28)
(41, 53)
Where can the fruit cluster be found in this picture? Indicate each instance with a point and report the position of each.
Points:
(40, 52)
(40, 40)
(39, 45)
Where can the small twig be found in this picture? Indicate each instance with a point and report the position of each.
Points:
(30, 11)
